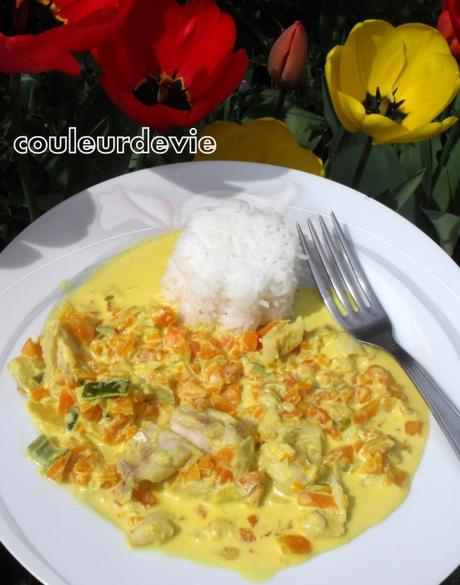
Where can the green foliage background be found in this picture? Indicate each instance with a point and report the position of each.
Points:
(420, 181)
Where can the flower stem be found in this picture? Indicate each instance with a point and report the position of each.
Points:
(18, 130)
(362, 163)
(280, 103)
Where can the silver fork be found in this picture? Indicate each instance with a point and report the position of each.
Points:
(334, 265)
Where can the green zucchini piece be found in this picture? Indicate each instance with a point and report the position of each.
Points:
(164, 394)
(44, 452)
(71, 418)
(39, 377)
(106, 389)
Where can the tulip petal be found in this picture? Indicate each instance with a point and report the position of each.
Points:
(420, 40)
(353, 109)
(373, 56)
(381, 128)
(264, 140)
(427, 85)
(427, 131)
(332, 71)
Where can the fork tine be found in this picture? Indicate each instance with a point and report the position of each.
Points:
(354, 264)
(316, 267)
(331, 269)
(349, 278)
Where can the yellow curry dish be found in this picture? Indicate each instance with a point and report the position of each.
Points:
(251, 451)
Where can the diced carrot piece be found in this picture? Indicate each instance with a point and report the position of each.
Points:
(294, 413)
(397, 476)
(39, 394)
(266, 328)
(225, 455)
(123, 405)
(225, 475)
(227, 341)
(123, 345)
(253, 519)
(92, 414)
(333, 432)
(379, 374)
(110, 477)
(366, 412)
(207, 352)
(111, 432)
(317, 499)
(293, 396)
(65, 402)
(78, 325)
(374, 463)
(166, 316)
(346, 452)
(31, 349)
(143, 494)
(194, 349)
(322, 359)
(81, 471)
(219, 402)
(257, 411)
(176, 337)
(247, 535)
(295, 544)
(250, 340)
(57, 469)
(413, 427)
(318, 415)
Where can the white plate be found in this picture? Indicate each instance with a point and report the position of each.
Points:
(62, 542)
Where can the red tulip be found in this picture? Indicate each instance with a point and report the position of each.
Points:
(288, 57)
(41, 35)
(171, 64)
(449, 25)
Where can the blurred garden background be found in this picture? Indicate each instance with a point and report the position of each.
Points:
(419, 179)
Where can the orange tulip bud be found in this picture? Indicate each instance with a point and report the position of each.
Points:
(288, 57)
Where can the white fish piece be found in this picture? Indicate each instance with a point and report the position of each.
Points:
(209, 430)
(154, 455)
(155, 529)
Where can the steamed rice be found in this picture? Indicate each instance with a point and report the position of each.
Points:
(234, 265)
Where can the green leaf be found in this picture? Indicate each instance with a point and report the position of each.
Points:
(441, 193)
(302, 124)
(396, 197)
(346, 151)
(429, 150)
(383, 170)
(329, 112)
(447, 226)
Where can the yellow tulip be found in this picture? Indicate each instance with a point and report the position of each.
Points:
(265, 140)
(392, 82)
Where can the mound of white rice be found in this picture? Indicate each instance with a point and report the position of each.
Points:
(234, 265)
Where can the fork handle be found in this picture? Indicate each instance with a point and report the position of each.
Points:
(443, 409)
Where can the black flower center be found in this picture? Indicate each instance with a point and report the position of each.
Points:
(163, 89)
(385, 105)
(28, 17)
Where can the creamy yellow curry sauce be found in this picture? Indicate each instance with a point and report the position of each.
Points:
(252, 452)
